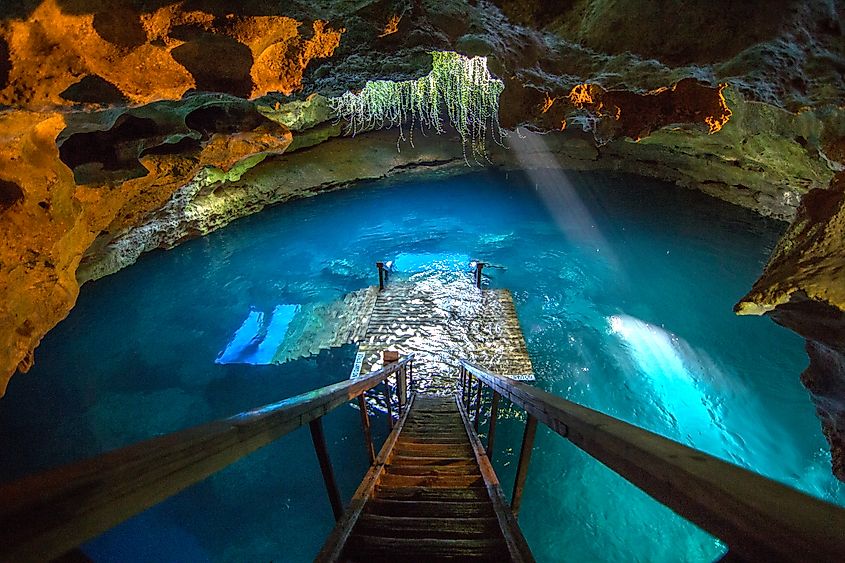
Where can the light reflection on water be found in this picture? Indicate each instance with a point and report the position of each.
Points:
(641, 329)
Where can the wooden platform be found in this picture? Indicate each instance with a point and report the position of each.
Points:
(431, 496)
(441, 323)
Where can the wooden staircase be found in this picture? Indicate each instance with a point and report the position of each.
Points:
(431, 496)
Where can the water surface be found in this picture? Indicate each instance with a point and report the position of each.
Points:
(624, 289)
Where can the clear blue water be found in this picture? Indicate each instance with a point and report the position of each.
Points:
(623, 286)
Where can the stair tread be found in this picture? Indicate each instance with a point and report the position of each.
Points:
(433, 470)
(439, 508)
(438, 461)
(432, 494)
(433, 546)
(426, 527)
(449, 481)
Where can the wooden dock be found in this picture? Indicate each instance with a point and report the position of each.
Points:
(441, 323)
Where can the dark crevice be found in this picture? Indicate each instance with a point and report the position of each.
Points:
(10, 194)
(111, 154)
(225, 119)
(217, 63)
(185, 146)
(93, 89)
(120, 26)
(5, 63)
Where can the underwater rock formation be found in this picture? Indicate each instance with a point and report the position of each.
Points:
(132, 125)
(803, 288)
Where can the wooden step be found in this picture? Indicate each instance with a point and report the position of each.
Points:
(432, 494)
(433, 449)
(418, 527)
(448, 481)
(441, 439)
(375, 548)
(452, 426)
(440, 461)
(432, 470)
(433, 509)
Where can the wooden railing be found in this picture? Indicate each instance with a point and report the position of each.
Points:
(45, 516)
(759, 519)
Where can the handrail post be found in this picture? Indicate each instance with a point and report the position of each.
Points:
(467, 390)
(380, 266)
(402, 389)
(387, 402)
(478, 267)
(319, 439)
(478, 405)
(365, 425)
(491, 434)
(522, 468)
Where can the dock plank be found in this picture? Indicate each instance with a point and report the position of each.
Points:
(442, 322)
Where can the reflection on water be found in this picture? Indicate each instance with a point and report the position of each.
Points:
(623, 287)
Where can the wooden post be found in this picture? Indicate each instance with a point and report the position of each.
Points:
(365, 425)
(402, 389)
(522, 468)
(477, 405)
(411, 376)
(391, 357)
(478, 267)
(319, 440)
(491, 434)
(387, 402)
(380, 266)
(467, 391)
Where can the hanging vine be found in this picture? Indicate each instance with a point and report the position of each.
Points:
(463, 85)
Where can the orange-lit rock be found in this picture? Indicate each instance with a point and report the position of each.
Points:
(392, 26)
(47, 230)
(56, 57)
(629, 114)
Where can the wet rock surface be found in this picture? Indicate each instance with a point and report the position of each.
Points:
(134, 125)
(803, 288)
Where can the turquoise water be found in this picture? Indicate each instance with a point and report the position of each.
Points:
(624, 289)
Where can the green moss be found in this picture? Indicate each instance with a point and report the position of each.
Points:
(234, 174)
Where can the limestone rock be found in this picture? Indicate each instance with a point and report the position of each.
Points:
(803, 288)
(130, 170)
(67, 51)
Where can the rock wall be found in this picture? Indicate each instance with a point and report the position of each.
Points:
(803, 288)
(129, 125)
(128, 163)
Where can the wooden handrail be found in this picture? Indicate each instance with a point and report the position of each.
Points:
(759, 519)
(46, 515)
